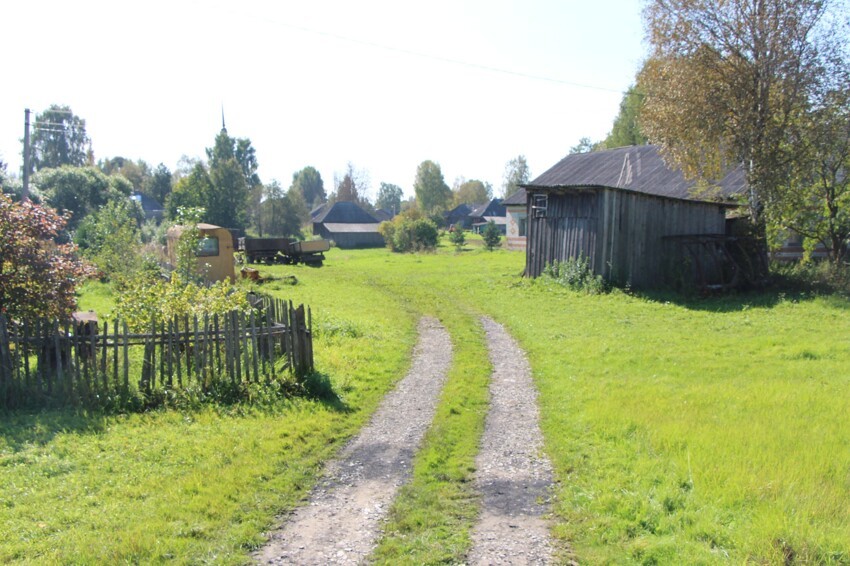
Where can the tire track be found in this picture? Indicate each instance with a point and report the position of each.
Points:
(513, 476)
(340, 523)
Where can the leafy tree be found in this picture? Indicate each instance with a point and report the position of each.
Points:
(816, 204)
(59, 138)
(626, 130)
(472, 191)
(584, 145)
(516, 173)
(389, 198)
(190, 191)
(159, 184)
(491, 235)
(432, 192)
(137, 172)
(309, 183)
(352, 187)
(79, 190)
(232, 174)
(37, 276)
(284, 211)
(726, 83)
(109, 237)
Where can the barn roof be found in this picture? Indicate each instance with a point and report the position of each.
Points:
(348, 228)
(634, 168)
(345, 213)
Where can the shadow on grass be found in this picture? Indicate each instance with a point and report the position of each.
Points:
(318, 386)
(737, 301)
(21, 429)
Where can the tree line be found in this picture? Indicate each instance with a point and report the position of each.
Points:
(763, 85)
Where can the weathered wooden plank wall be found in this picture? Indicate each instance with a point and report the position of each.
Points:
(620, 232)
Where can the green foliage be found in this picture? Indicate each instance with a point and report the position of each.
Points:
(138, 173)
(517, 173)
(458, 238)
(491, 235)
(79, 190)
(59, 138)
(109, 237)
(472, 191)
(308, 182)
(389, 198)
(626, 129)
(431, 190)
(37, 276)
(142, 300)
(409, 232)
(189, 191)
(577, 275)
(159, 185)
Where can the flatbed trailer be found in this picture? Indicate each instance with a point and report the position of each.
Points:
(283, 250)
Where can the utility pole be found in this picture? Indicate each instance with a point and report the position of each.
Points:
(26, 192)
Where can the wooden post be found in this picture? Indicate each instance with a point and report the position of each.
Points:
(197, 354)
(115, 355)
(126, 356)
(253, 322)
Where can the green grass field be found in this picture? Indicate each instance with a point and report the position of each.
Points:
(681, 430)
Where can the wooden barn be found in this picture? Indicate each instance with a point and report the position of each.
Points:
(348, 225)
(637, 221)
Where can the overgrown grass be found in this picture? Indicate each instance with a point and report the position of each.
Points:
(196, 486)
(681, 430)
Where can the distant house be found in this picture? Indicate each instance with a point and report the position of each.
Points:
(516, 211)
(493, 211)
(459, 217)
(634, 219)
(348, 225)
(151, 208)
(383, 215)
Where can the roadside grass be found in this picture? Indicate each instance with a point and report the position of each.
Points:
(681, 430)
(197, 486)
(703, 431)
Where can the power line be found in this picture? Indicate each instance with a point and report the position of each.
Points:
(439, 58)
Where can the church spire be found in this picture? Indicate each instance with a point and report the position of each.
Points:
(223, 128)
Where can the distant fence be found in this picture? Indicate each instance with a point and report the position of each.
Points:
(51, 362)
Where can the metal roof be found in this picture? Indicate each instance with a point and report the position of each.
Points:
(344, 212)
(518, 197)
(343, 228)
(634, 168)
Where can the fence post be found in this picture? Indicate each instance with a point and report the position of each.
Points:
(5, 363)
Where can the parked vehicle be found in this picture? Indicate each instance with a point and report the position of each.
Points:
(283, 250)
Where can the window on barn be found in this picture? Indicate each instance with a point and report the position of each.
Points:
(207, 247)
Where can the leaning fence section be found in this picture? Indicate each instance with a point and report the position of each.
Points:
(52, 362)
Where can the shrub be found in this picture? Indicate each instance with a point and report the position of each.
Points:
(143, 299)
(409, 233)
(109, 238)
(38, 277)
(492, 236)
(457, 238)
(576, 274)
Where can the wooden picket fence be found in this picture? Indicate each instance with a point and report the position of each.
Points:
(52, 362)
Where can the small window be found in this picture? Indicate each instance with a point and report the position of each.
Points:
(207, 247)
(523, 225)
(539, 205)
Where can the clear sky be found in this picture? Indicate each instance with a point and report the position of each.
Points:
(469, 84)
